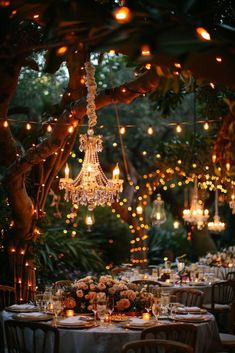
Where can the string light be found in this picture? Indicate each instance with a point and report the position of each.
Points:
(71, 129)
(150, 130)
(145, 50)
(178, 129)
(61, 51)
(218, 59)
(5, 123)
(206, 125)
(203, 34)
(49, 128)
(122, 130)
(122, 14)
(28, 126)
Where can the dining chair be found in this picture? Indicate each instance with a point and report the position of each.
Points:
(7, 296)
(184, 333)
(31, 337)
(222, 296)
(62, 283)
(156, 346)
(230, 275)
(189, 296)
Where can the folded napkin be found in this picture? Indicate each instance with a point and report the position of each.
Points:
(192, 308)
(140, 322)
(34, 314)
(22, 306)
(191, 317)
(72, 320)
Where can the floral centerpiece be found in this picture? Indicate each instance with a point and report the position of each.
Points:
(82, 293)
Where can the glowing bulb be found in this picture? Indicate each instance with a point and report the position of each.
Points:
(62, 50)
(203, 33)
(71, 129)
(178, 128)
(213, 158)
(145, 50)
(176, 224)
(122, 14)
(148, 66)
(49, 128)
(122, 130)
(206, 125)
(116, 172)
(228, 166)
(150, 130)
(28, 126)
(218, 59)
(139, 209)
(5, 123)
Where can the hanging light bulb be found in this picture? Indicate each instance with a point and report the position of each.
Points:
(178, 129)
(5, 123)
(216, 226)
(213, 158)
(206, 125)
(89, 220)
(228, 166)
(122, 130)
(28, 126)
(49, 128)
(145, 50)
(150, 130)
(196, 214)
(158, 214)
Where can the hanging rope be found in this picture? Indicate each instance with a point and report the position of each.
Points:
(91, 93)
(125, 163)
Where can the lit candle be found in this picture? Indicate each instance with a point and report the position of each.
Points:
(50, 306)
(66, 171)
(69, 313)
(107, 318)
(146, 316)
(116, 172)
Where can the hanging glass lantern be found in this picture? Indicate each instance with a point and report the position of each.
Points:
(196, 214)
(232, 203)
(216, 226)
(89, 220)
(158, 214)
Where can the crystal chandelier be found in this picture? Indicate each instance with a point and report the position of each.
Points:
(196, 214)
(232, 203)
(216, 226)
(158, 214)
(91, 187)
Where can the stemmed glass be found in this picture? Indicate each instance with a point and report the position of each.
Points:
(110, 305)
(94, 308)
(101, 306)
(148, 302)
(156, 308)
(57, 307)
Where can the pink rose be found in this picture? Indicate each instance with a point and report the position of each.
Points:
(92, 286)
(79, 293)
(101, 286)
(87, 296)
(70, 303)
(92, 295)
(122, 304)
(112, 290)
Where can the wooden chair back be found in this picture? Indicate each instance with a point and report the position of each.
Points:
(184, 333)
(222, 293)
(189, 296)
(156, 346)
(31, 337)
(230, 275)
(62, 283)
(7, 296)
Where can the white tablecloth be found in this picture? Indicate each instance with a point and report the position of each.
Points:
(110, 339)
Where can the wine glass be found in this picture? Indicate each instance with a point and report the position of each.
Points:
(57, 308)
(101, 306)
(39, 302)
(148, 302)
(110, 305)
(156, 308)
(94, 308)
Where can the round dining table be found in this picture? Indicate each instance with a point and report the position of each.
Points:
(110, 338)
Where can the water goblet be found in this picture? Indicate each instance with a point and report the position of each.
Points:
(110, 305)
(156, 308)
(101, 306)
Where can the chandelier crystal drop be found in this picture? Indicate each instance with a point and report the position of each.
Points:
(216, 226)
(196, 214)
(91, 187)
(158, 214)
